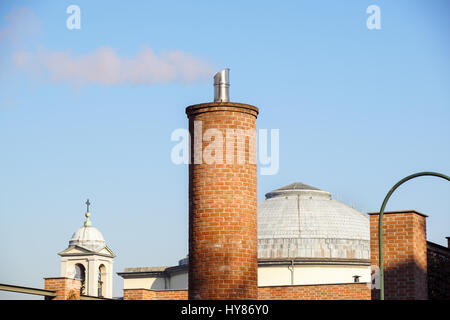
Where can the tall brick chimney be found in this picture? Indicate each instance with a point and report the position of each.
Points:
(223, 260)
(405, 254)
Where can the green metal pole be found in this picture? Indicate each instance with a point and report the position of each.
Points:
(380, 220)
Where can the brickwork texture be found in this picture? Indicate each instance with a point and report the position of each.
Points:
(438, 264)
(348, 291)
(405, 254)
(65, 288)
(147, 294)
(222, 205)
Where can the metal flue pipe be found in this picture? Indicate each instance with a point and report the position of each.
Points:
(221, 86)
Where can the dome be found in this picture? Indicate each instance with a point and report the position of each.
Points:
(88, 237)
(300, 221)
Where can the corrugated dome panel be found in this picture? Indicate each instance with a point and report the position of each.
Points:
(300, 221)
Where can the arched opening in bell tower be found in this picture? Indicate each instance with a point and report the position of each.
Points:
(80, 274)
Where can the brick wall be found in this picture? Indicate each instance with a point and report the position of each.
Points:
(405, 254)
(348, 291)
(65, 288)
(147, 294)
(138, 294)
(438, 263)
(223, 258)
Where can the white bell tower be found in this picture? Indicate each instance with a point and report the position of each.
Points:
(89, 259)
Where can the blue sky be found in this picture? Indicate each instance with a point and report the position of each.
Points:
(357, 110)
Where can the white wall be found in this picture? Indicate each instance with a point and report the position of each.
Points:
(91, 265)
(269, 276)
(144, 283)
(179, 281)
(282, 275)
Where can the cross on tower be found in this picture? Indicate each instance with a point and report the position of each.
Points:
(88, 204)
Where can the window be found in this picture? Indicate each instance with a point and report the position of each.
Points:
(80, 274)
(101, 276)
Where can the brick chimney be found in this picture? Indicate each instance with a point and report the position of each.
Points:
(405, 254)
(65, 288)
(223, 260)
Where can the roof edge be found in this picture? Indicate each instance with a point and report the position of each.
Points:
(399, 212)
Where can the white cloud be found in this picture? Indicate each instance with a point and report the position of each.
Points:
(20, 24)
(104, 66)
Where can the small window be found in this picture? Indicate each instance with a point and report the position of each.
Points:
(80, 274)
(100, 284)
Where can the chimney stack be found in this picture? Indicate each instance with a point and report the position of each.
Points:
(223, 247)
(448, 242)
(405, 254)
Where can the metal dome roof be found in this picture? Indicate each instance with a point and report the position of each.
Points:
(88, 237)
(300, 221)
(297, 186)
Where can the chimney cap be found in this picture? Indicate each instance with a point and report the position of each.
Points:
(222, 85)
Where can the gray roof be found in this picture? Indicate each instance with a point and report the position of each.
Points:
(297, 186)
(300, 221)
(291, 188)
(146, 269)
(88, 237)
(153, 271)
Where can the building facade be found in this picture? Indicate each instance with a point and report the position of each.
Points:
(304, 238)
(89, 260)
(299, 243)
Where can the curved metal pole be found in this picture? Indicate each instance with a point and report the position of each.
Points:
(380, 220)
